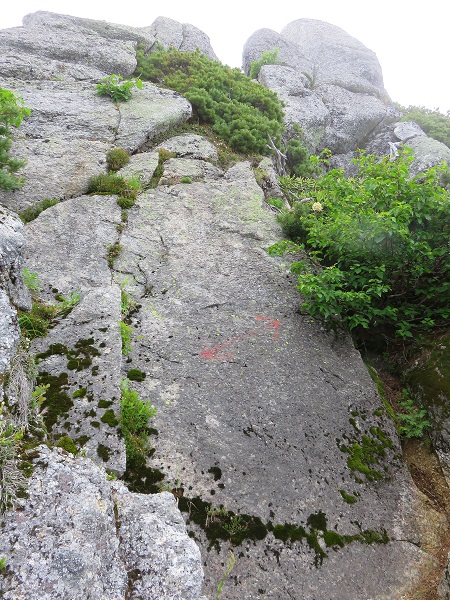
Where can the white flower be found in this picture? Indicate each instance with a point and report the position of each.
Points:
(317, 207)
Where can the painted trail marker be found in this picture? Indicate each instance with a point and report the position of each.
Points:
(219, 352)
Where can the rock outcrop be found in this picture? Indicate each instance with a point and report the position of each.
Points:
(331, 83)
(269, 430)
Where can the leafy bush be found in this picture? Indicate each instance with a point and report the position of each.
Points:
(378, 244)
(414, 420)
(12, 113)
(134, 423)
(434, 123)
(241, 111)
(120, 92)
(269, 57)
(116, 158)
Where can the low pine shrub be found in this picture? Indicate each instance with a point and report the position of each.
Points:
(241, 111)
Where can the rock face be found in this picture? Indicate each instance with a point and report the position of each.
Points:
(331, 83)
(79, 535)
(268, 429)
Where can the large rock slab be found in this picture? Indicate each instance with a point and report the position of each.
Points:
(45, 49)
(80, 536)
(259, 408)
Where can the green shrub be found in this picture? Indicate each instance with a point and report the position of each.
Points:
(116, 158)
(297, 156)
(67, 444)
(413, 420)
(116, 88)
(378, 244)
(241, 111)
(125, 333)
(269, 57)
(134, 421)
(12, 113)
(32, 212)
(185, 180)
(434, 123)
(111, 183)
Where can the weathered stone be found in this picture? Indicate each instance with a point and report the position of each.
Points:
(339, 58)
(63, 542)
(427, 153)
(53, 51)
(176, 169)
(190, 145)
(194, 38)
(150, 111)
(182, 36)
(9, 335)
(11, 246)
(79, 536)
(111, 31)
(67, 244)
(70, 129)
(289, 54)
(167, 561)
(141, 165)
(331, 84)
(256, 403)
(407, 130)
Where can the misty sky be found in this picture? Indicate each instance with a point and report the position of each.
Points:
(411, 39)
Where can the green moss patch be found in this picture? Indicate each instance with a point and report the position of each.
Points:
(57, 402)
(80, 357)
(103, 452)
(81, 393)
(110, 418)
(67, 444)
(135, 375)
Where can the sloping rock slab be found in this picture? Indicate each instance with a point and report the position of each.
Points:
(47, 50)
(259, 409)
(176, 169)
(80, 357)
(80, 537)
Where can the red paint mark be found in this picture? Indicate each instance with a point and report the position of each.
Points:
(219, 353)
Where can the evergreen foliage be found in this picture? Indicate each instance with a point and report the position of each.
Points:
(378, 243)
(12, 113)
(241, 111)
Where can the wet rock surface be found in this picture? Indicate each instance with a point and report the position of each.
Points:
(259, 410)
